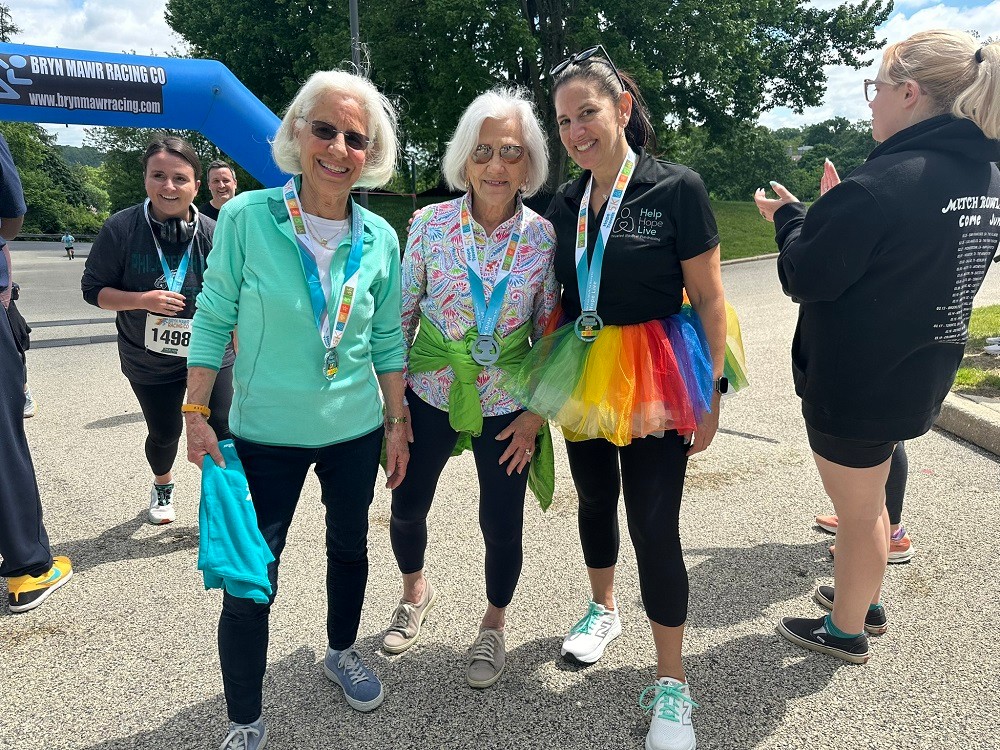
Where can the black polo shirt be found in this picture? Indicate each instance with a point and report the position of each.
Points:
(665, 218)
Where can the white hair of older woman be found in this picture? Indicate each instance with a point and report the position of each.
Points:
(497, 104)
(381, 159)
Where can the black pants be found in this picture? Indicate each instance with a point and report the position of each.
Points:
(501, 497)
(24, 545)
(347, 473)
(651, 472)
(895, 485)
(161, 408)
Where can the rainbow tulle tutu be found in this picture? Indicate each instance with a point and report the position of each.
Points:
(631, 382)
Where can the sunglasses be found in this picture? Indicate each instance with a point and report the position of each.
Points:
(511, 154)
(326, 132)
(583, 56)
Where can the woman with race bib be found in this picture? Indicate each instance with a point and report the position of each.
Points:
(313, 281)
(631, 374)
(147, 264)
(478, 279)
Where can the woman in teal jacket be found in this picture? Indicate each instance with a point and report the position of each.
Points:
(312, 280)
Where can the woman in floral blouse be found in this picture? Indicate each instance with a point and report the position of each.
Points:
(478, 283)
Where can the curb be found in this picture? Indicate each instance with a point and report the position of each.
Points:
(970, 421)
(734, 261)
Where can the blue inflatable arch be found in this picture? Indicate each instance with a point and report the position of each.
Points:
(80, 87)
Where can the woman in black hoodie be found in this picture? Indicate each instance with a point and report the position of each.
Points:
(885, 267)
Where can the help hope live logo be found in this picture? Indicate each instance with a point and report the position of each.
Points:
(647, 222)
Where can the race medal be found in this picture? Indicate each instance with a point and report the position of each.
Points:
(588, 275)
(330, 328)
(587, 326)
(485, 350)
(166, 335)
(331, 363)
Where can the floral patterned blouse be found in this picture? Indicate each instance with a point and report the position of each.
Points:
(436, 284)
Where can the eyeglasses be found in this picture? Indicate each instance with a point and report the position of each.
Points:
(326, 132)
(586, 54)
(871, 83)
(511, 154)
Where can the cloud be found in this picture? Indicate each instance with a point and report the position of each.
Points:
(99, 25)
(844, 95)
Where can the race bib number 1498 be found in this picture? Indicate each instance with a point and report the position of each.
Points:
(170, 336)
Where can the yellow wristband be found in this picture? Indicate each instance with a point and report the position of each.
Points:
(197, 409)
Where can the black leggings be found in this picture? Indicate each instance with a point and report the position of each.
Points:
(161, 408)
(651, 471)
(895, 485)
(501, 497)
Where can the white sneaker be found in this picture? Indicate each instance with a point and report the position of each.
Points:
(587, 639)
(29, 404)
(669, 702)
(993, 349)
(993, 339)
(161, 504)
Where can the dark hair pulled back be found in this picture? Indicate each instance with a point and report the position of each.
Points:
(171, 144)
(599, 72)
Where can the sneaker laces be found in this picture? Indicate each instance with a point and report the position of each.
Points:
(485, 647)
(401, 618)
(666, 700)
(239, 737)
(589, 622)
(164, 493)
(354, 668)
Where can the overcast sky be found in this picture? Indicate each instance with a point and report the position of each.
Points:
(120, 25)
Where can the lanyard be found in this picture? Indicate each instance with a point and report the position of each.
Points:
(589, 279)
(174, 279)
(331, 335)
(488, 315)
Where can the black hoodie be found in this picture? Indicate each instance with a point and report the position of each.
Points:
(885, 266)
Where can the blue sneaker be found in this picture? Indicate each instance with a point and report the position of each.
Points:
(360, 684)
(245, 736)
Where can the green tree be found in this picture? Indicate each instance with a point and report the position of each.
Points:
(8, 28)
(718, 64)
(56, 194)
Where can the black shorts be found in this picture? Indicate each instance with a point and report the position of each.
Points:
(854, 454)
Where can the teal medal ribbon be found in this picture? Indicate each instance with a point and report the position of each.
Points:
(588, 278)
(485, 350)
(330, 333)
(173, 279)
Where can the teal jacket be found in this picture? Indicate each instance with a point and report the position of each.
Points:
(254, 281)
(232, 553)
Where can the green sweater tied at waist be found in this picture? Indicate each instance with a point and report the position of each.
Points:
(431, 352)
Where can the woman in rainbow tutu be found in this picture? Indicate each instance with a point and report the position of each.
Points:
(631, 373)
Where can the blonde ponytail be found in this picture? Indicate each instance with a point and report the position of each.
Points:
(960, 76)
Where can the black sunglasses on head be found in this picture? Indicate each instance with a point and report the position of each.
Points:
(326, 132)
(583, 56)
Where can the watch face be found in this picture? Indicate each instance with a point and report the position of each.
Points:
(722, 385)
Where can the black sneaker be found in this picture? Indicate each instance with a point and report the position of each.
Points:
(811, 633)
(876, 622)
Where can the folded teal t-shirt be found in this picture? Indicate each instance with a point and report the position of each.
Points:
(232, 553)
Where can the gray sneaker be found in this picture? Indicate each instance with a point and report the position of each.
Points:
(246, 736)
(404, 628)
(487, 658)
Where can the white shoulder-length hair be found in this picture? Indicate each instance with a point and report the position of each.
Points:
(497, 104)
(381, 161)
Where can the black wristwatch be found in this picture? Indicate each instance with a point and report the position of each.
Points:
(722, 385)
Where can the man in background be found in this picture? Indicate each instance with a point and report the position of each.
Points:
(222, 186)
